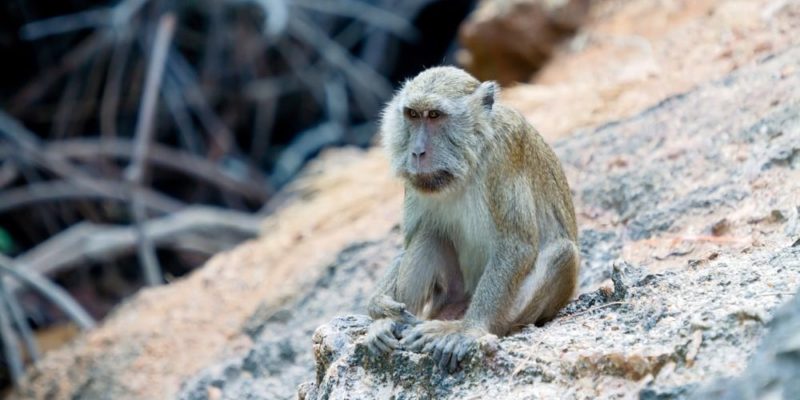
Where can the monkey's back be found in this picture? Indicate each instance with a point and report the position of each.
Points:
(526, 153)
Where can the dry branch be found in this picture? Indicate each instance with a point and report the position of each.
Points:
(40, 192)
(18, 316)
(86, 242)
(76, 184)
(253, 187)
(48, 289)
(9, 339)
(135, 175)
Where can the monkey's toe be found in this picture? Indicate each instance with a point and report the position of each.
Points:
(449, 351)
(380, 337)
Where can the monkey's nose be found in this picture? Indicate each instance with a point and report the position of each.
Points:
(418, 153)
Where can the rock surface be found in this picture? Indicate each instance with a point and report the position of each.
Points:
(692, 192)
(774, 371)
(690, 300)
(629, 55)
(162, 337)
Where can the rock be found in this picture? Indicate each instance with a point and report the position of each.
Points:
(663, 334)
(683, 307)
(774, 370)
(287, 346)
(509, 40)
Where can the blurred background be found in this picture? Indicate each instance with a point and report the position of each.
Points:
(117, 114)
(140, 137)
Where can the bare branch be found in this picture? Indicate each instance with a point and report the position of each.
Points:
(135, 174)
(62, 190)
(41, 84)
(86, 242)
(254, 187)
(97, 18)
(363, 76)
(29, 147)
(18, 316)
(10, 342)
(55, 294)
(375, 16)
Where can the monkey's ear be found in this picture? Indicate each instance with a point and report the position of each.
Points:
(487, 93)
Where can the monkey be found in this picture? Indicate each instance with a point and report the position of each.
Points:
(489, 230)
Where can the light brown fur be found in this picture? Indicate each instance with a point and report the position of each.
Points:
(496, 241)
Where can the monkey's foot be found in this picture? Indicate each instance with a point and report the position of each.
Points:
(381, 337)
(448, 342)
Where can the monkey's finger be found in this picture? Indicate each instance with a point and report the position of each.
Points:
(462, 350)
(373, 349)
(389, 341)
(418, 344)
(454, 363)
(450, 362)
(379, 347)
(438, 351)
(446, 352)
(411, 337)
(409, 318)
(428, 348)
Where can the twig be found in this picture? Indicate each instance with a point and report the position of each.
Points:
(64, 24)
(66, 107)
(186, 80)
(8, 173)
(105, 17)
(10, 342)
(372, 15)
(86, 242)
(40, 192)
(255, 187)
(41, 84)
(135, 174)
(614, 303)
(55, 294)
(109, 104)
(263, 123)
(18, 316)
(30, 147)
(357, 71)
(189, 138)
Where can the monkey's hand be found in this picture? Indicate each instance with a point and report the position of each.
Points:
(382, 336)
(448, 342)
(383, 306)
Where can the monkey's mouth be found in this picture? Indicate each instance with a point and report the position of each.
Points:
(430, 182)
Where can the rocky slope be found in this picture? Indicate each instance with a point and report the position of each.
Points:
(695, 204)
(693, 192)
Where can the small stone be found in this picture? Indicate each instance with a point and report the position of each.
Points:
(721, 227)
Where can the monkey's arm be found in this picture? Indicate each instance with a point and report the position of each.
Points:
(513, 256)
(449, 341)
(382, 336)
(402, 291)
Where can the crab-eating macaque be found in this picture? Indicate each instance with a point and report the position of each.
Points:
(489, 226)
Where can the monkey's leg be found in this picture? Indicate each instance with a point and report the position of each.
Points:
(548, 287)
(407, 287)
(382, 336)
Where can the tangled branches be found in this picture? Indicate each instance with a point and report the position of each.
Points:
(151, 107)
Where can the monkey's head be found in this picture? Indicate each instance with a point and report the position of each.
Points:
(436, 127)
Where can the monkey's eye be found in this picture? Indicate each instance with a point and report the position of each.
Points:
(410, 113)
(433, 114)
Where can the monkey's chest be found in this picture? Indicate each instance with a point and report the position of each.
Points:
(472, 258)
(472, 238)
